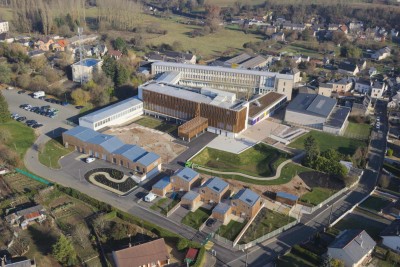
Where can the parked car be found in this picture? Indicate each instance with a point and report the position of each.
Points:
(21, 118)
(79, 107)
(23, 105)
(27, 107)
(30, 122)
(65, 103)
(37, 125)
(21, 92)
(14, 115)
(210, 222)
(90, 159)
(10, 88)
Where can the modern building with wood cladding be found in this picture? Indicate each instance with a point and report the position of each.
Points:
(247, 82)
(217, 111)
(110, 148)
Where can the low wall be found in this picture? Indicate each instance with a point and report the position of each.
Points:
(173, 209)
(239, 236)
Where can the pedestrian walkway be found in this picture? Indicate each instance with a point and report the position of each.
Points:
(231, 145)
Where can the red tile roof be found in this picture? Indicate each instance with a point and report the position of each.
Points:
(115, 53)
(32, 215)
(191, 254)
(62, 43)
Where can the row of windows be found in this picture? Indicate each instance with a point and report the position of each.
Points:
(119, 115)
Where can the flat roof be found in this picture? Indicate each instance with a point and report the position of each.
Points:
(317, 105)
(224, 69)
(88, 62)
(162, 183)
(168, 77)
(287, 196)
(338, 117)
(263, 102)
(111, 110)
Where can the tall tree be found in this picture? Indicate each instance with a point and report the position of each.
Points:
(5, 73)
(4, 112)
(64, 252)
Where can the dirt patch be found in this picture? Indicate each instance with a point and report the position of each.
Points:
(149, 139)
(318, 179)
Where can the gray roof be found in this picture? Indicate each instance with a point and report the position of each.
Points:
(168, 77)
(254, 62)
(113, 145)
(338, 117)
(223, 69)
(355, 243)
(392, 229)
(24, 263)
(88, 62)
(162, 183)
(111, 110)
(186, 174)
(363, 81)
(238, 59)
(216, 184)
(312, 104)
(221, 208)
(191, 195)
(287, 196)
(247, 196)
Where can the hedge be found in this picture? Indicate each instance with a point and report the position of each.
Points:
(200, 258)
(306, 254)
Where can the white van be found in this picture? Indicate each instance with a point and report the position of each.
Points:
(38, 94)
(149, 197)
(90, 159)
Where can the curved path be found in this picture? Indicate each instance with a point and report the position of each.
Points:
(268, 178)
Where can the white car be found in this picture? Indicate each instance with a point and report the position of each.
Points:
(90, 159)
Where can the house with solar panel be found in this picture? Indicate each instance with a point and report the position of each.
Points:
(185, 179)
(319, 112)
(213, 191)
(353, 247)
(110, 148)
(246, 204)
(191, 201)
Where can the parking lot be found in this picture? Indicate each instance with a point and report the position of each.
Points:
(52, 126)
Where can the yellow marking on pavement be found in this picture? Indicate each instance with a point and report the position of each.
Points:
(209, 245)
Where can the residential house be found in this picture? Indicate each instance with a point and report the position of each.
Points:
(372, 71)
(293, 26)
(353, 247)
(355, 26)
(44, 43)
(278, 36)
(184, 179)
(115, 54)
(381, 53)
(395, 104)
(378, 88)
(362, 64)
(5, 262)
(84, 39)
(213, 190)
(222, 212)
(59, 45)
(301, 58)
(270, 29)
(325, 89)
(153, 253)
(26, 216)
(246, 204)
(348, 68)
(363, 86)
(162, 187)
(191, 200)
(333, 27)
(4, 26)
(394, 33)
(343, 28)
(341, 86)
(391, 236)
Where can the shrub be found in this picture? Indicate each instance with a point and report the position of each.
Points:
(308, 255)
(182, 244)
(389, 152)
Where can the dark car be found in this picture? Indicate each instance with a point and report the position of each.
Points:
(37, 125)
(41, 97)
(79, 107)
(52, 100)
(30, 122)
(210, 222)
(48, 100)
(23, 105)
(45, 107)
(21, 119)
(21, 92)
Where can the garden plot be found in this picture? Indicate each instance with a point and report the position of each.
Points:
(152, 140)
(5, 190)
(19, 183)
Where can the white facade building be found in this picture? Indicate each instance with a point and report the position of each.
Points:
(378, 89)
(115, 114)
(4, 26)
(362, 86)
(228, 79)
(391, 236)
(83, 71)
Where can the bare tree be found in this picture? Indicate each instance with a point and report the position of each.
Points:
(20, 244)
(80, 233)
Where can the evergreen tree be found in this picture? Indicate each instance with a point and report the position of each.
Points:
(64, 252)
(5, 73)
(4, 113)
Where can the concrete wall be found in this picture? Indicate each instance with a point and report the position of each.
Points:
(304, 119)
(285, 87)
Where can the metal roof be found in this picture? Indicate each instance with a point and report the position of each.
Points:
(111, 110)
(216, 184)
(254, 62)
(317, 105)
(82, 133)
(355, 243)
(238, 59)
(162, 183)
(191, 195)
(169, 77)
(108, 142)
(338, 117)
(88, 62)
(130, 152)
(287, 196)
(247, 196)
(186, 174)
(221, 208)
(148, 158)
(392, 229)
(223, 69)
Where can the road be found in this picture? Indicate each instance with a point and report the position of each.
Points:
(260, 255)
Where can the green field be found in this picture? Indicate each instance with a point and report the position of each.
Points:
(197, 218)
(358, 130)
(22, 137)
(231, 230)
(157, 124)
(257, 161)
(375, 203)
(52, 152)
(326, 141)
(317, 195)
(265, 222)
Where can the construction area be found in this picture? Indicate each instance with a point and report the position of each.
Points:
(150, 139)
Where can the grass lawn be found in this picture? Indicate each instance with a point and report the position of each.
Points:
(287, 173)
(291, 260)
(352, 221)
(265, 222)
(157, 124)
(256, 161)
(52, 152)
(164, 205)
(358, 130)
(326, 141)
(375, 203)
(317, 195)
(231, 230)
(197, 218)
(22, 136)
